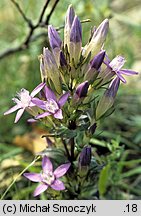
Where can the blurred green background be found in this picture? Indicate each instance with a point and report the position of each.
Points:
(21, 69)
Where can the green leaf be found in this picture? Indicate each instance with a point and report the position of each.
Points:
(103, 180)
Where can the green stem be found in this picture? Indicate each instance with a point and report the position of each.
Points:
(13, 182)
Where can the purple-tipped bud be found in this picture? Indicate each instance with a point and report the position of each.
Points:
(63, 61)
(97, 40)
(93, 70)
(113, 88)
(107, 100)
(96, 62)
(85, 157)
(51, 68)
(82, 89)
(54, 38)
(101, 31)
(68, 23)
(70, 15)
(76, 31)
(92, 128)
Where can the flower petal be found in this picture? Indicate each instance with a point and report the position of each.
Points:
(128, 72)
(47, 165)
(121, 77)
(61, 170)
(39, 103)
(58, 185)
(49, 93)
(18, 115)
(12, 109)
(63, 99)
(42, 115)
(37, 89)
(40, 189)
(35, 177)
(58, 114)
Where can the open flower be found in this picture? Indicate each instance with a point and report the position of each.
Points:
(23, 101)
(116, 66)
(47, 177)
(51, 105)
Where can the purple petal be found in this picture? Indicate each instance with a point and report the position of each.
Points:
(58, 114)
(128, 72)
(121, 77)
(97, 60)
(49, 93)
(35, 177)
(117, 63)
(40, 189)
(39, 103)
(63, 99)
(18, 115)
(37, 89)
(12, 109)
(61, 170)
(47, 165)
(58, 185)
(42, 115)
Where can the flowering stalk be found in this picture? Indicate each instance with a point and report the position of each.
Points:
(70, 105)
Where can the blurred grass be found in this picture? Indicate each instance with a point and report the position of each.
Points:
(22, 70)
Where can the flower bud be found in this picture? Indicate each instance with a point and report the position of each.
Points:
(54, 38)
(82, 89)
(107, 100)
(94, 67)
(85, 157)
(97, 40)
(75, 40)
(51, 69)
(68, 23)
(63, 61)
(55, 42)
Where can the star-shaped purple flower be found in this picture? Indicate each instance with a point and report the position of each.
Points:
(51, 105)
(116, 64)
(23, 101)
(47, 177)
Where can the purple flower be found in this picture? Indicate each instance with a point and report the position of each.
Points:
(51, 105)
(115, 66)
(23, 101)
(94, 67)
(54, 38)
(47, 177)
(82, 89)
(85, 156)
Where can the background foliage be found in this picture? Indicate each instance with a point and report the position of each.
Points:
(118, 141)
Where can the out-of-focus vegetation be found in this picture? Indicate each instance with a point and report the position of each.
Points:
(119, 136)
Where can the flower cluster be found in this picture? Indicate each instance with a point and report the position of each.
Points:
(71, 95)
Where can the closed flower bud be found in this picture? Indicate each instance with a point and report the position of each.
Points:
(54, 38)
(85, 157)
(107, 100)
(68, 23)
(51, 69)
(94, 67)
(75, 40)
(82, 89)
(63, 61)
(55, 42)
(97, 40)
